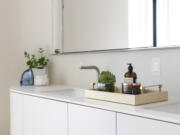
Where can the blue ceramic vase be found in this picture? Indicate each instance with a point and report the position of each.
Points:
(27, 78)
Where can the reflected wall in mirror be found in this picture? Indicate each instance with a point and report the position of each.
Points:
(107, 24)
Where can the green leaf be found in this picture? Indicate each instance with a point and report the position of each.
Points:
(36, 62)
(57, 51)
(25, 53)
(41, 50)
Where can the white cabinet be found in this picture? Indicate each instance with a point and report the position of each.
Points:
(32, 115)
(37, 116)
(44, 117)
(16, 107)
(90, 121)
(132, 125)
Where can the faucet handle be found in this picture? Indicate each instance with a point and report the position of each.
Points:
(93, 85)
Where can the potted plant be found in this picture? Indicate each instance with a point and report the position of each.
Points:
(38, 63)
(106, 81)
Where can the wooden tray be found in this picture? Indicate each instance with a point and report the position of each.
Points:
(149, 96)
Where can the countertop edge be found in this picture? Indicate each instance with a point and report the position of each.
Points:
(134, 111)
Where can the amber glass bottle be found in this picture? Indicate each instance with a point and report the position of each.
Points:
(130, 76)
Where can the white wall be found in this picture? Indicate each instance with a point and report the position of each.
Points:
(9, 67)
(24, 25)
(27, 26)
(65, 69)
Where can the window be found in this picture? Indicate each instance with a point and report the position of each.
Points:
(140, 14)
(168, 22)
(154, 23)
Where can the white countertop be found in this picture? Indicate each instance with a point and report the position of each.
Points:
(62, 93)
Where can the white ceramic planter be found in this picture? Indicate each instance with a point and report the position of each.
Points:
(41, 77)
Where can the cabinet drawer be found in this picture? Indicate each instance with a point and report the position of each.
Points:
(37, 116)
(91, 121)
(132, 125)
(16, 108)
(44, 116)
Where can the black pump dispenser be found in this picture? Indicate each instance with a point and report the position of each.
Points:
(130, 76)
(130, 68)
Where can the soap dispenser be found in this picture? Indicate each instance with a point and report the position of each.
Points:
(130, 76)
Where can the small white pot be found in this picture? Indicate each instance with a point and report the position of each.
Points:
(41, 77)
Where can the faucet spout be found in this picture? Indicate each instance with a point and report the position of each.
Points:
(91, 67)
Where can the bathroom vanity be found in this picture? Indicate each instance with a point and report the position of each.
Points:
(61, 110)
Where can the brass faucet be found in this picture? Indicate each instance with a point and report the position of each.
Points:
(92, 67)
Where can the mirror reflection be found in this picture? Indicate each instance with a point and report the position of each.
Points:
(168, 22)
(91, 25)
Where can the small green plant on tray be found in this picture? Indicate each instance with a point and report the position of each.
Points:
(107, 77)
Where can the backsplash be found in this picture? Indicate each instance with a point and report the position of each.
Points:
(65, 69)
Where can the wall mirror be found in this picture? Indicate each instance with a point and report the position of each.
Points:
(93, 25)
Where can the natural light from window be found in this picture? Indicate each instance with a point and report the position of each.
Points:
(168, 22)
(140, 23)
